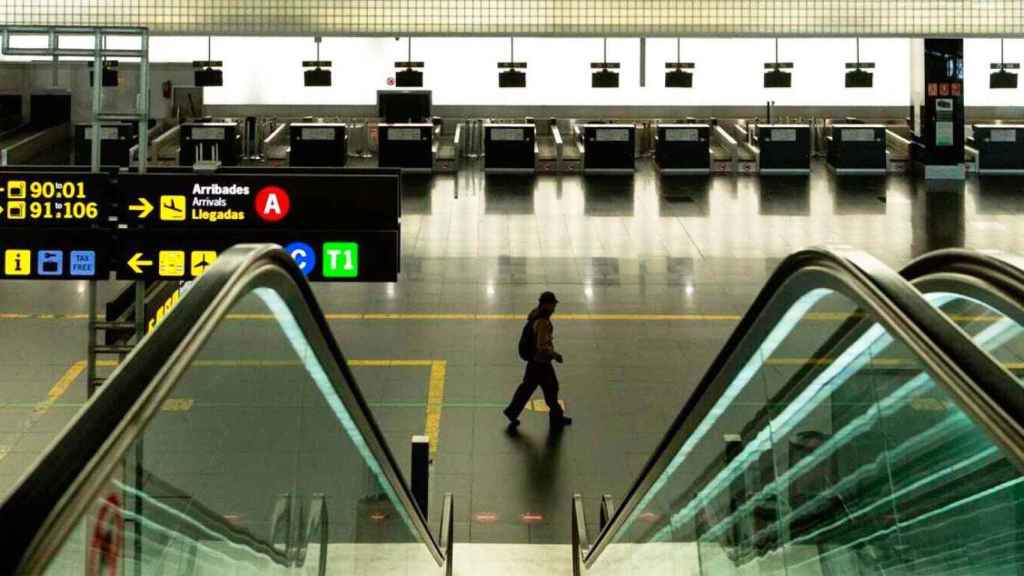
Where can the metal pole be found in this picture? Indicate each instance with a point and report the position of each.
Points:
(90, 357)
(97, 99)
(94, 162)
(54, 45)
(142, 105)
(137, 469)
(421, 472)
(643, 62)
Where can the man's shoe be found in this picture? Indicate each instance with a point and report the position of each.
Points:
(512, 420)
(563, 421)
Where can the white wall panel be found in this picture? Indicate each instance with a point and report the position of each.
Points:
(463, 70)
(978, 55)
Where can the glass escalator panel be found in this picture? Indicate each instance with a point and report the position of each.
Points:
(1000, 333)
(252, 444)
(832, 451)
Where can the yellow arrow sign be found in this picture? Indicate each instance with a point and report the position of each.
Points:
(1, 209)
(143, 207)
(136, 263)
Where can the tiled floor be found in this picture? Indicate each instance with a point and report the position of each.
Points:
(697, 248)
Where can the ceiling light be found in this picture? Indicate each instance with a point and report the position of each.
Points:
(1002, 78)
(858, 75)
(317, 76)
(604, 77)
(409, 75)
(678, 73)
(776, 75)
(510, 75)
(208, 72)
(109, 77)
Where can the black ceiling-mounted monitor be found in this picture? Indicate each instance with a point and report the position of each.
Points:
(409, 75)
(605, 75)
(317, 77)
(777, 76)
(208, 73)
(318, 73)
(1001, 78)
(511, 76)
(400, 106)
(678, 75)
(858, 75)
(109, 74)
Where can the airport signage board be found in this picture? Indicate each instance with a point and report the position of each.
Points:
(322, 255)
(53, 199)
(57, 225)
(57, 254)
(260, 201)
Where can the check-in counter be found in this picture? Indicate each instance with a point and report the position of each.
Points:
(210, 141)
(784, 148)
(116, 141)
(608, 148)
(25, 144)
(510, 147)
(999, 148)
(408, 146)
(317, 144)
(857, 149)
(683, 148)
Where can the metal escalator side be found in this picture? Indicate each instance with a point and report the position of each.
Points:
(233, 439)
(802, 447)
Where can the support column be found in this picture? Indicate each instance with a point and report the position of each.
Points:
(941, 127)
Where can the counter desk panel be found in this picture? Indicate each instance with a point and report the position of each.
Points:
(609, 147)
(1000, 148)
(785, 148)
(683, 148)
(510, 147)
(857, 149)
(408, 146)
(317, 144)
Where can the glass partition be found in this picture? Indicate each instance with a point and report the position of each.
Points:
(997, 333)
(832, 451)
(234, 474)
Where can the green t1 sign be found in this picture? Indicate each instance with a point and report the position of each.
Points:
(341, 260)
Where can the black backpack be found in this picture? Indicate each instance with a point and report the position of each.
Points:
(528, 342)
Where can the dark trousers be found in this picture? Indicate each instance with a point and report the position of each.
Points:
(537, 374)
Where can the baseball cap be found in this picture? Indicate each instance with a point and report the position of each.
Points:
(548, 297)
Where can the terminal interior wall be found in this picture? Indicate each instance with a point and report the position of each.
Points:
(462, 71)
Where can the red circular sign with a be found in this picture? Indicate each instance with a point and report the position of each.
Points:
(272, 204)
(107, 539)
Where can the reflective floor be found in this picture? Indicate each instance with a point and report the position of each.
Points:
(652, 274)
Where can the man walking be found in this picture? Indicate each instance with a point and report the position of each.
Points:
(537, 348)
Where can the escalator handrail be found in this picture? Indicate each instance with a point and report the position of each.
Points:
(972, 376)
(45, 504)
(1001, 276)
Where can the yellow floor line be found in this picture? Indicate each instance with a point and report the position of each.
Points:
(435, 387)
(541, 406)
(62, 385)
(392, 363)
(435, 401)
(878, 362)
(39, 410)
(440, 316)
